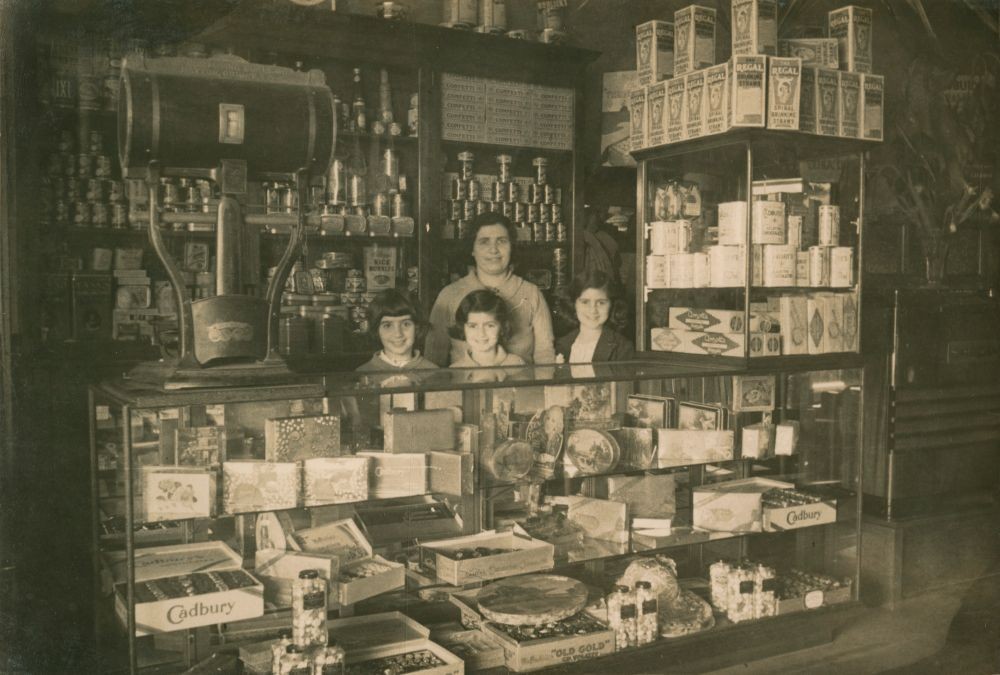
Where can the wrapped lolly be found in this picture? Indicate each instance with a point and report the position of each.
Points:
(329, 660)
(309, 609)
(293, 662)
(278, 649)
(622, 616)
(647, 619)
(765, 601)
(718, 574)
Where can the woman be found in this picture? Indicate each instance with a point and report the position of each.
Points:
(483, 322)
(593, 294)
(490, 243)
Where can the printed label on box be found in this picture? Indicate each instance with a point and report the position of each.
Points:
(828, 93)
(695, 89)
(850, 105)
(852, 27)
(747, 102)
(784, 81)
(676, 109)
(755, 27)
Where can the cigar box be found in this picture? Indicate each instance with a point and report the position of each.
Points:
(637, 119)
(696, 342)
(850, 324)
(818, 52)
(833, 308)
(334, 480)
(450, 473)
(802, 268)
(732, 506)
(177, 493)
(290, 439)
(850, 105)
(667, 237)
(522, 657)
(816, 316)
(478, 651)
(747, 101)
(694, 88)
(754, 393)
(755, 441)
(287, 564)
(683, 447)
(828, 95)
(786, 438)
(656, 120)
(784, 84)
(796, 517)
(793, 316)
(379, 636)
(391, 475)
(809, 103)
(419, 431)
(872, 107)
(676, 109)
(524, 555)
(648, 496)
(200, 446)
(254, 485)
(156, 562)
(694, 39)
(654, 51)
(601, 519)
(755, 27)
(852, 28)
(768, 223)
(819, 266)
(423, 518)
(637, 448)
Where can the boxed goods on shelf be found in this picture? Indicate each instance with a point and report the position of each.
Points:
(392, 642)
(647, 496)
(287, 564)
(732, 506)
(788, 509)
(177, 493)
(601, 519)
(392, 475)
(799, 591)
(637, 448)
(654, 51)
(694, 39)
(484, 556)
(478, 651)
(754, 27)
(334, 480)
(254, 485)
(578, 638)
(289, 439)
(450, 473)
(852, 28)
(681, 447)
(784, 87)
(821, 52)
(419, 431)
(169, 561)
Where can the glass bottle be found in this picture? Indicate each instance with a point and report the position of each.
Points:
(622, 616)
(357, 173)
(647, 609)
(359, 118)
(384, 98)
(278, 649)
(293, 662)
(309, 609)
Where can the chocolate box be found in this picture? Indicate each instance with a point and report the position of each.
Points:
(873, 107)
(732, 506)
(654, 51)
(157, 562)
(288, 564)
(852, 27)
(755, 27)
(524, 657)
(694, 39)
(637, 119)
(419, 431)
(683, 447)
(796, 517)
(637, 448)
(177, 493)
(756, 441)
(526, 555)
(814, 600)
(290, 439)
(334, 480)
(200, 446)
(391, 475)
(676, 110)
(817, 52)
(754, 393)
(475, 648)
(747, 94)
(601, 519)
(375, 636)
(850, 105)
(784, 80)
(254, 485)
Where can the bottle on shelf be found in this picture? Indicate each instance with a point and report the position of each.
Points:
(357, 175)
(359, 116)
(385, 99)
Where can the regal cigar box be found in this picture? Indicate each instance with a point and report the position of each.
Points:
(255, 485)
(809, 104)
(786, 438)
(681, 447)
(852, 27)
(696, 342)
(694, 87)
(676, 109)
(694, 39)
(290, 439)
(779, 519)
(747, 94)
(288, 564)
(794, 324)
(637, 448)
(755, 27)
(850, 325)
(850, 105)
(755, 441)
(779, 265)
(334, 480)
(419, 431)
(648, 496)
(200, 446)
(828, 95)
(654, 51)
(716, 98)
(601, 519)
(754, 393)
(391, 475)
(450, 473)
(656, 119)
(732, 506)
(784, 85)
(177, 493)
(367, 640)
(543, 652)
(478, 651)
(637, 119)
(872, 107)
(817, 52)
(768, 223)
(816, 316)
(522, 554)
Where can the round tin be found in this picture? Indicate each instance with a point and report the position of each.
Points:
(116, 191)
(520, 34)
(513, 192)
(95, 141)
(504, 164)
(482, 207)
(169, 192)
(459, 189)
(507, 209)
(461, 229)
(536, 193)
(468, 210)
(541, 165)
(538, 231)
(520, 212)
(534, 213)
(510, 460)
(556, 210)
(544, 213)
(473, 190)
(829, 225)
(335, 183)
(560, 232)
(465, 160)
(61, 213)
(500, 191)
(455, 209)
(356, 192)
(400, 209)
(549, 194)
(495, 206)
(95, 190)
(380, 204)
(592, 451)
(289, 199)
(85, 165)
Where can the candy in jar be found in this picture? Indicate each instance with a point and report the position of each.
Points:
(764, 600)
(647, 608)
(741, 591)
(329, 660)
(718, 574)
(278, 649)
(622, 616)
(309, 609)
(293, 662)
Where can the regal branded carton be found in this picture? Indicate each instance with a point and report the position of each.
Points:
(716, 99)
(755, 27)
(784, 80)
(656, 118)
(747, 103)
(808, 101)
(676, 109)
(850, 105)
(654, 51)
(852, 27)
(694, 87)
(694, 39)
(828, 94)
(821, 52)
(872, 107)
(637, 119)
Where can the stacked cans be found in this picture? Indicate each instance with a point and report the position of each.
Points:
(80, 189)
(184, 195)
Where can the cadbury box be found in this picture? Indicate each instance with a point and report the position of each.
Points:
(656, 97)
(524, 554)
(377, 636)
(710, 320)
(531, 655)
(256, 485)
(289, 439)
(648, 496)
(637, 119)
(419, 431)
(391, 476)
(755, 27)
(694, 88)
(852, 28)
(696, 342)
(694, 39)
(156, 562)
(784, 80)
(654, 51)
(828, 95)
(716, 99)
(818, 52)
(872, 107)
(779, 519)
(676, 109)
(682, 447)
(334, 480)
(732, 506)
(747, 91)
(450, 473)
(850, 105)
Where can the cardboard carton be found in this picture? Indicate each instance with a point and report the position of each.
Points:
(747, 95)
(850, 105)
(654, 51)
(873, 106)
(784, 81)
(694, 39)
(852, 27)
(694, 87)
(755, 27)
(818, 52)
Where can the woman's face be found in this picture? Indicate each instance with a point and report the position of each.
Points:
(482, 332)
(397, 334)
(491, 249)
(592, 308)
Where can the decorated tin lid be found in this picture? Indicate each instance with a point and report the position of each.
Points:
(510, 460)
(532, 599)
(591, 451)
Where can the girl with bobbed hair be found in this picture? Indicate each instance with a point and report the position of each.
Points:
(593, 295)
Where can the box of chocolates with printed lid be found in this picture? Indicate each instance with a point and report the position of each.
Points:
(391, 642)
(791, 509)
(484, 556)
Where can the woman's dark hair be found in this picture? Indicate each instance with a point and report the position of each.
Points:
(486, 302)
(483, 220)
(393, 302)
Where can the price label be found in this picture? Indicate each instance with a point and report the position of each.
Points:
(813, 599)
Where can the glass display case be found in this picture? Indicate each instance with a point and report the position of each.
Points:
(794, 201)
(736, 490)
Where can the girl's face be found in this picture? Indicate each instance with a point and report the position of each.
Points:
(592, 308)
(491, 250)
(397, 334)
(482, 332)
